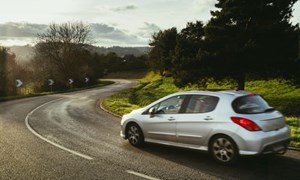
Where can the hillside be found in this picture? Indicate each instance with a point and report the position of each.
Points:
(25, 53)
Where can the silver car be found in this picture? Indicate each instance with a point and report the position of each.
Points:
(227, 124)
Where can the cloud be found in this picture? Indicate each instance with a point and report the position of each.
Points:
(106, 35)
(201, 5)
(99, 29)
(151, 27)
(19, 33)
(21, 29)
(203, 8)
(126, 8)
(102, 34)
(147, 30)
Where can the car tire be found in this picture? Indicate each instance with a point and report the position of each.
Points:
(135, 135)
(224, 150)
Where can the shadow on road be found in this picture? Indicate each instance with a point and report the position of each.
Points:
(262, 167)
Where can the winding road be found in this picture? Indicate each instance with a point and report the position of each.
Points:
(67, 136)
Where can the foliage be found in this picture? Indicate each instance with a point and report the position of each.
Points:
(257, 33)
(64, 52)
(119, 104)
(163, 46)
(3, 54)
(60, 53)
(243, 39)
(294, 124)
(280, 93)
(10, 70)
(20, 96)
(185, 61)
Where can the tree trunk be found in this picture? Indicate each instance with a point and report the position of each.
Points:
(241, 81)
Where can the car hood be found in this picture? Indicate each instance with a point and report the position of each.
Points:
(133, 112)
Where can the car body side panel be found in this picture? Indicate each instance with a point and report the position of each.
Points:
(193, 129)
(159, 127)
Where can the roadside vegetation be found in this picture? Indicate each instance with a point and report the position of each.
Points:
(63, 58)
(25, 94)
(281, 94)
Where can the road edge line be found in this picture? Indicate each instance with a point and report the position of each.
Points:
(47, 140)
(141, 175)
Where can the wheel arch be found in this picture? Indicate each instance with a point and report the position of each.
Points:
(221, 134)
(127, 126)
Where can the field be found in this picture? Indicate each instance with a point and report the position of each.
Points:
(279, 93)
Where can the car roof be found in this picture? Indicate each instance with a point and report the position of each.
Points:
(234, 93)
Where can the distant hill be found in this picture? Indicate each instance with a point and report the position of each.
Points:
(25, 53)
(121, 51)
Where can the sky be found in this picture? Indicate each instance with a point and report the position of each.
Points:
(113, 22)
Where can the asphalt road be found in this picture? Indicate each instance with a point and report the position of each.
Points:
(68, 136)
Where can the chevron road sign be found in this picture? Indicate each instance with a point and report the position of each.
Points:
(71, 81)
(19, 83)
(50, 82)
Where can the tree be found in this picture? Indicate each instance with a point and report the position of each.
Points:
(185, 63)
(9, 71)
(251, 38)
(3, 62)
(163, 46)
(61, 50)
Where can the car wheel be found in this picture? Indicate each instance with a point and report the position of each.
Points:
(224, 150)
(135, 135)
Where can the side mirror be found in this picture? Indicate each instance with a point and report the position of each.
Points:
(152, 111)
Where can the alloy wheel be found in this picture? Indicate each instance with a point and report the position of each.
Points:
(134, 135)
(224, 150)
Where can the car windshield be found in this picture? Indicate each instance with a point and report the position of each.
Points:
(251, 105)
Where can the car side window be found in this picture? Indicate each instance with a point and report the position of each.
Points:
(202, 104)
(170, 106)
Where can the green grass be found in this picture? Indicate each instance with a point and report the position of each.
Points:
(294, 123)
(279, 93)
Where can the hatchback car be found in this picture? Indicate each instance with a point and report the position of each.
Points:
(226, 124)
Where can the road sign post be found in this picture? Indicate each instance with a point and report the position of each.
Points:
(71, 81)
(19, 83)
(51, 83)
(86, 80)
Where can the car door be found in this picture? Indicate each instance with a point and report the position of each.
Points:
(197, 121)
(160, 125)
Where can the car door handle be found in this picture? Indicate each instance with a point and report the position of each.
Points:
(171, 119)
(208, 118)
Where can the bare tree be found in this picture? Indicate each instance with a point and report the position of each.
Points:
(60, 50)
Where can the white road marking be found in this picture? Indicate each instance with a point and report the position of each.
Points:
(141, 175)
(47, 140)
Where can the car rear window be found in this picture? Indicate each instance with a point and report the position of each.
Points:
(252, 104)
